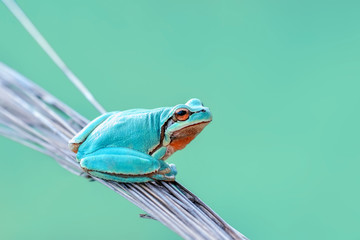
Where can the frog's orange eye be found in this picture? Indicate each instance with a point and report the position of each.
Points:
(182, 114)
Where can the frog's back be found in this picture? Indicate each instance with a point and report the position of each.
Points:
(138, 129)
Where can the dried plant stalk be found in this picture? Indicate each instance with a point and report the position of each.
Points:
(35, 118)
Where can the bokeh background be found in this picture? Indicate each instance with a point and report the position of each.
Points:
(280, 159)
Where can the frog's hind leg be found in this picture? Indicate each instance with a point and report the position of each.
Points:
(120, 164)
(80, 137)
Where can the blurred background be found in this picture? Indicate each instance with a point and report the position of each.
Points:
(280, 159)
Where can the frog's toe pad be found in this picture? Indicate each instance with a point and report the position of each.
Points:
(169, 179)
(173, 171)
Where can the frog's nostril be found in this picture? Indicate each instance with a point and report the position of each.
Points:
(203, 110)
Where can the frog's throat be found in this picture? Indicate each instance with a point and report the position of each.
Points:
(180, 138)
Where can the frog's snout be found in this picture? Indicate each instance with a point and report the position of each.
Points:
(206, 114)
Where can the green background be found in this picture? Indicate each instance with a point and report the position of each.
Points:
(280, 159)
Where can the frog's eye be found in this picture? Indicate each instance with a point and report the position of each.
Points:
(182, 114)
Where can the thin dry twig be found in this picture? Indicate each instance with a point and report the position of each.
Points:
(35, 118)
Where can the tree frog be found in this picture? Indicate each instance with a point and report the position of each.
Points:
(131, 146)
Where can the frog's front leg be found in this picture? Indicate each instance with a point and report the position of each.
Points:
(125, 165)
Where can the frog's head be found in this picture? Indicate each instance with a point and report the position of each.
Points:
(182, 123)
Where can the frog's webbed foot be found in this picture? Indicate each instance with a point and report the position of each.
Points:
(126, 165)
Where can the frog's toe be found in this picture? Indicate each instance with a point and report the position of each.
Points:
(173, 170)
(167, 174)
(169, 178)
(163, 177)
(164, 171)
(167, 169)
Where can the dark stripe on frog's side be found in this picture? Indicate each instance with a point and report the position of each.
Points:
(162, 135)
(127, 175)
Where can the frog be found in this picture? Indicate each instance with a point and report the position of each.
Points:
(131, 146)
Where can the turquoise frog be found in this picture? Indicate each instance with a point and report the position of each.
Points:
(131, 146)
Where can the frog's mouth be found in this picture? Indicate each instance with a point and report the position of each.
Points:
(182, 137)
